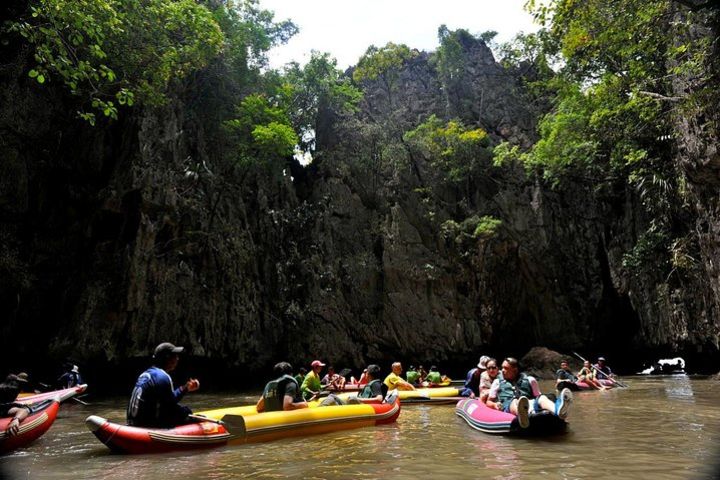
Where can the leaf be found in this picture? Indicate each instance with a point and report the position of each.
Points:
(33, 73)
(41, 78)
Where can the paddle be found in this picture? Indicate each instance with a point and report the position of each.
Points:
(80, 401)
(601, 372)
(234, 424)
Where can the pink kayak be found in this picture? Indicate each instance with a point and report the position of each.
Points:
(488, 420)
(61, 395)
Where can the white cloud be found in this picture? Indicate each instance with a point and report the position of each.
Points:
(346, 28)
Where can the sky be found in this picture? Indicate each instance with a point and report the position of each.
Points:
(346, 28)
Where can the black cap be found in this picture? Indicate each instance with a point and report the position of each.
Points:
(165, 349)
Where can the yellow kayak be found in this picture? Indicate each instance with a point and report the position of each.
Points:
(422, 395)
(266, 426)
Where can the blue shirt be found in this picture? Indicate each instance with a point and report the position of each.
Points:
(154, 401)
(472, 385)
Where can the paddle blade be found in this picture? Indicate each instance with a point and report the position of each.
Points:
(391, 397)
(234, 424)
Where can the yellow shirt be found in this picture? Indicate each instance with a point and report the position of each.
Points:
(392, 381)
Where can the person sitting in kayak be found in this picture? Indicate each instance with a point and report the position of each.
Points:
(154, 400)
(433, 378)
(513, 391)
(283, 393)
(487, 378)
(587, 375)
(412, 376)
(311, 385)
(602, 371)
(362, 380)
(71, 378)
(563, 375)
(471, 388)
(375, 389)
(423, 374)
(9, 390)
(332, 381)
(394, 380)
(301, 375)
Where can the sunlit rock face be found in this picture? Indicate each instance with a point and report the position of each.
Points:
(119, 237)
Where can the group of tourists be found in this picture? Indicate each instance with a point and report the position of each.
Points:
(510, 390)
(589, 374)
(15, 384)
(155, 401)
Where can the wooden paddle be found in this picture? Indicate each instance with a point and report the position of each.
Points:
(234, 424)
(601, 372)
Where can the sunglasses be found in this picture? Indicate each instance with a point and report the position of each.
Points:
(494, 367)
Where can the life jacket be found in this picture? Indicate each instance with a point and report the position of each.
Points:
(274, 393)
(521, 388)
(367, 391)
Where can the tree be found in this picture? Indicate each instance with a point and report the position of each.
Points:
(383, 64)
(315, 87)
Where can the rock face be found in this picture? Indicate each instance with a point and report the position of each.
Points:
(117, 238)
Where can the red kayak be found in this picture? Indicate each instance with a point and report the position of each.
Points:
(127, 439)
(240, 425)
(33, 427)
(481, 417)
(61, 395)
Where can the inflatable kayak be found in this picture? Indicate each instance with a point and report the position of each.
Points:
(435, 395)
(61, 395)
(34, 426)
(262, 427)
(488, 420)
(580, 386)
(240, 425)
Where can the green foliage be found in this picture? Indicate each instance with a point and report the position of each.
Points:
(318, 84)
(383, 63)
(487, 227)
(450, 56)
(451, 147)
(117, 52)
(274, 139)
(261, 133)
(113, 53)
(652, 245)
(472, 228)
(604, 123)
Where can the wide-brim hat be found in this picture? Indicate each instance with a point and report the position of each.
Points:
(482, 364)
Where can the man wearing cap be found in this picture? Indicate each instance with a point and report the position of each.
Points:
(311, 384)
(603, 371)
(154, 400)
(9, 390)
(472, 379)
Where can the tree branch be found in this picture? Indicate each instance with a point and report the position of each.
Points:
(659, 96)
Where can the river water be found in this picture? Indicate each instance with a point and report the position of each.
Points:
(659, 428)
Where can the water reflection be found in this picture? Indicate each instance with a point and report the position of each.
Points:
(660, 428)
(678, 387)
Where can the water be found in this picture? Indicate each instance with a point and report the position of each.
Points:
(660, 428)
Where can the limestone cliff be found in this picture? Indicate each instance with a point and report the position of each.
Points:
(118, 237)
